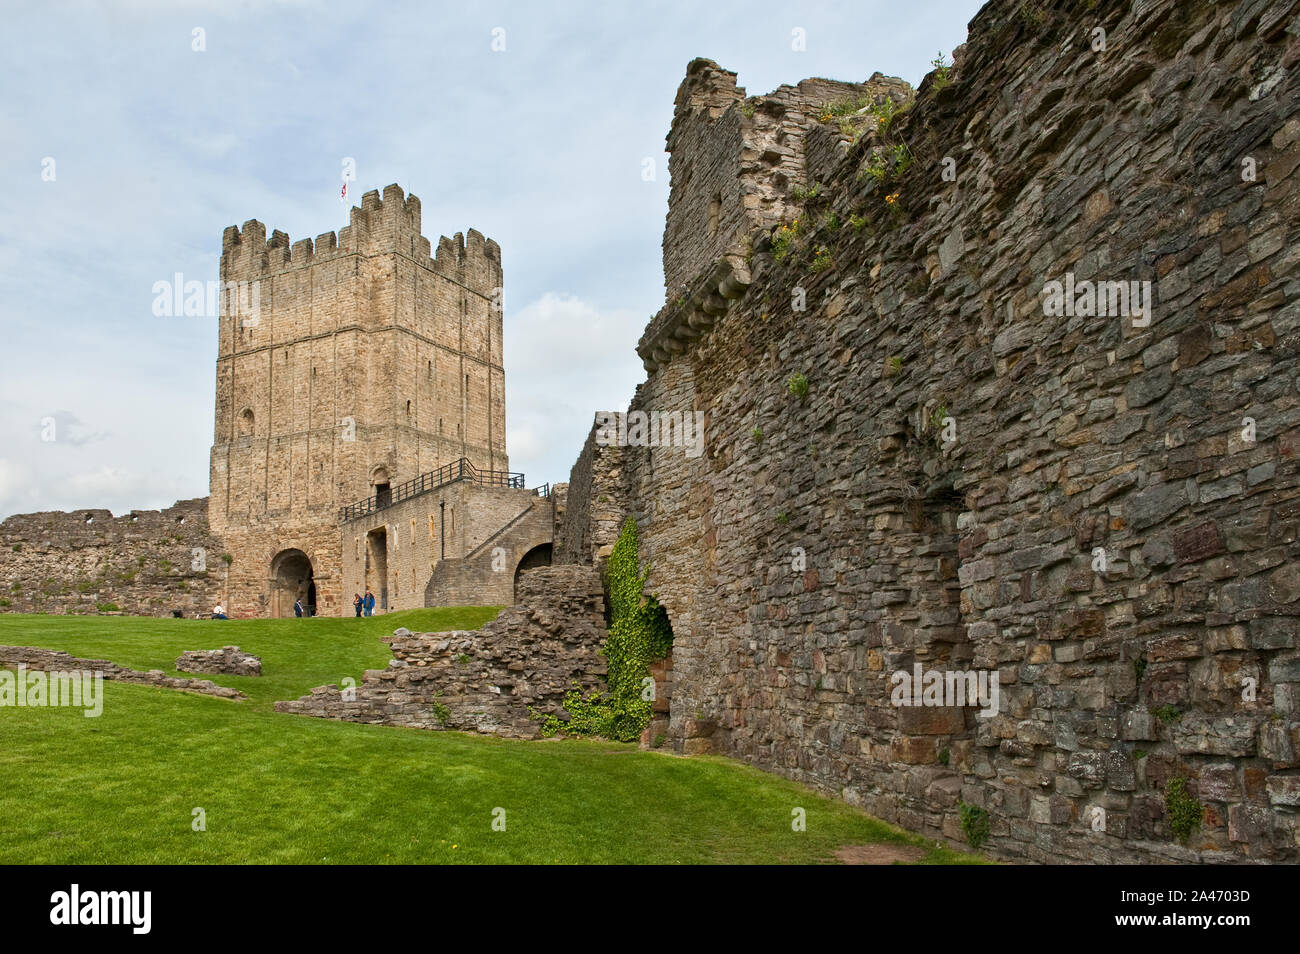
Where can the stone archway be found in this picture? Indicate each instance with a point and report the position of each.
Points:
(539, 555)
(292, 578)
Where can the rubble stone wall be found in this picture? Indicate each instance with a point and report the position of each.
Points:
(498, 680)
(145, 563)
(48, 660)
(1110, 525)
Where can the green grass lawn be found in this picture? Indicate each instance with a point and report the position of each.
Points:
(122, 788)
(296, 654)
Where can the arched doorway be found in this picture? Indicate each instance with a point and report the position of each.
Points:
(379, 480)
(539, 555)
(292, 579)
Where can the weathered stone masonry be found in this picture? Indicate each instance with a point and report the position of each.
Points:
(147, 562)
(500, 679)
(821, 544)
(54, 661)
(347, 369)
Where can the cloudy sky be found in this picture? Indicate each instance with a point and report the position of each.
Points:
(157, 147)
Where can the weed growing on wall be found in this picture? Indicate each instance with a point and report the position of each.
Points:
(1183, 809)
(974, 824)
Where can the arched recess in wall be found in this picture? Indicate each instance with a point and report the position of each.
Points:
(929, 629)
(245, 422)
(292, 579)
(539, 555)
(661, 671)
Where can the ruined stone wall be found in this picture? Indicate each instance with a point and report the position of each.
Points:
(596, 504)
(734, 161)
(145, 563)
(488, 680)
(368, 361)
(828, 539)
(55, 661)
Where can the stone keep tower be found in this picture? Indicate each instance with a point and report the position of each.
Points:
(366, 362)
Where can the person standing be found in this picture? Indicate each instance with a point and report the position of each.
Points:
(297, 607)
(370, 602)
(357, 604)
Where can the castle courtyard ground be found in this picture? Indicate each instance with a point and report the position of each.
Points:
(127, 787)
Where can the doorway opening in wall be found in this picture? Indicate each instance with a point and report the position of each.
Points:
(383, 488)
(292, 579)
(377, 565)
(539, 555)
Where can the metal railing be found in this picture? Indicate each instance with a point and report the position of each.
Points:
(448, 473)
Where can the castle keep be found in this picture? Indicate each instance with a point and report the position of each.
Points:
(370, 363)
(359, 442)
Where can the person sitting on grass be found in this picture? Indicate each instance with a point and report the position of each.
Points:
(219, 613)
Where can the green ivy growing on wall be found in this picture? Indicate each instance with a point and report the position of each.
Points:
(639, 633)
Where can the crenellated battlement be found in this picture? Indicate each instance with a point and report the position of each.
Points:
(391, 222)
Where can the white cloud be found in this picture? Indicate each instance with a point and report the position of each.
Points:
(565, 360)
(24, 490)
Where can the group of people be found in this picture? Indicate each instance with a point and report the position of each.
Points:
(364, 605)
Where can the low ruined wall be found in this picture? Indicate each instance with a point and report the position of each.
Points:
(1109, 526)
(145, 563)
(49, 660)
(227, 659)
(491, 680)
